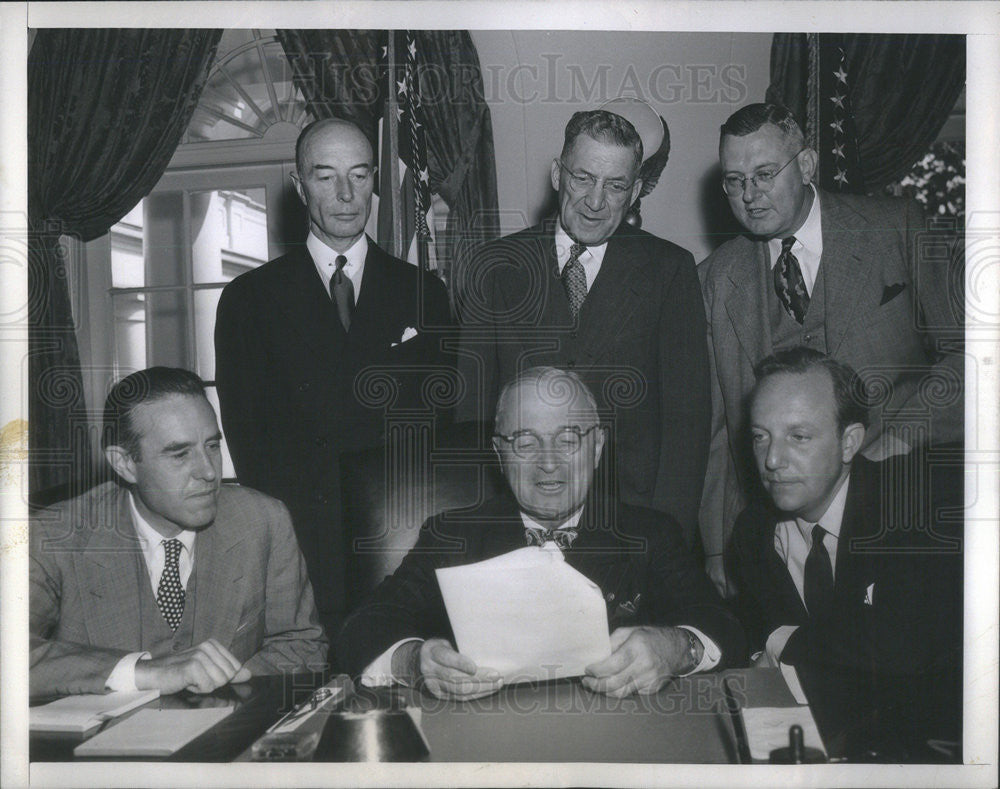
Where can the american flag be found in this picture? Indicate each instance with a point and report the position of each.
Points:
(405, 210)
(840, 164)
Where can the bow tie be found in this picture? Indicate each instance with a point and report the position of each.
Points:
(561, 537)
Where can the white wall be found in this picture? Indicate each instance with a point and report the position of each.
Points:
(535, 80)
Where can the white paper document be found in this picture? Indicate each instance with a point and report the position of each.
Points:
(153, 732)
(767, 728)
(527, 614)
(86, 711)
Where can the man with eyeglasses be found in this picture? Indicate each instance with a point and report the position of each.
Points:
(665, 617)
(841, 274)
(583, 290)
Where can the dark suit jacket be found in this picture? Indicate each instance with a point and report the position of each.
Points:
(893, 312)
(296, 390)
(638, 342)
(86, 564)
(636, 556)
(911, 555)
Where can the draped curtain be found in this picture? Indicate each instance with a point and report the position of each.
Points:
(893, 94)
(106, 110)
(342, 73)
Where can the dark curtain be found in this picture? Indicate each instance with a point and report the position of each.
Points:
(341, 73)
(106, 110)
(900, 90)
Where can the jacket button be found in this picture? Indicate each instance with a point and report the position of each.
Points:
(611, 597)
(808, 338)
(304, 386)
(177, 647)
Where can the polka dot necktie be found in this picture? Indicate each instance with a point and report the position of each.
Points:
(789, 285)
(574, 279)
(342, 293)
(170, 593)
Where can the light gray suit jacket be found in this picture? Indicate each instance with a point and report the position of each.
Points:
(252, 591)
(894, 312)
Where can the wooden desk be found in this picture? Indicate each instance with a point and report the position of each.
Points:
(557, 721)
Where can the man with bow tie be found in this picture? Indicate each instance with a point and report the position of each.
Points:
(852, 566)
(314, 349)
(665, 617)
(859, 278)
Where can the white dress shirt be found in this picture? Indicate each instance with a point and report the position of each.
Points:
(122, 677)
(808, 246)
(792, 542)
(591, 258)
(325, 260)
(379, 671)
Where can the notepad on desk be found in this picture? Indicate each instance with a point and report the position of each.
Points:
(767, 729)
(80, 714)
(153, 733)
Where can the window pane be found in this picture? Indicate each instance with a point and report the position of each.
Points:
(228, 471)
(167, 316)
(228, 232)
(205, 304)
(127, 267)
(130, 332)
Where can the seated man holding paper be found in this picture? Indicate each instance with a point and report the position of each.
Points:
(562, 565)
(851, 565)
(165, 579)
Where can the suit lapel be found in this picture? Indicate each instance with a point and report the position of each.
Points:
(369, 312)
(612, 298)
(220, 576)
(307, 306)
(848, 267)
(784, 586)
(746, 304)
(860, 520)
(110, 569)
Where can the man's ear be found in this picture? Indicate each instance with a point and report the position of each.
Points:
(851, 441)
(808, 161)
(636, 188)
(600, 436)
(554, 174)
(122, 462)
(298, 186)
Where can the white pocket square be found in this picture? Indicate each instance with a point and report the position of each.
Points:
(408, 334)
(870, 595)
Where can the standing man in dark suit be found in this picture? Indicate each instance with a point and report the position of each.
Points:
(837, 273)
(312, 349)
(850, 567)
(665, 617)
(620, 306)
(164, 578)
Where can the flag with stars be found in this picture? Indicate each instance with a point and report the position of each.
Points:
(405, 209)
(840, 165)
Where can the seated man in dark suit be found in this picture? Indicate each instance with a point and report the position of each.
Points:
(165, 578)
(851, 566)
(665, 616)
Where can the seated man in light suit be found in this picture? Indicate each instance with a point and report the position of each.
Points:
(854, 566)
(165, 579)
(666, 618)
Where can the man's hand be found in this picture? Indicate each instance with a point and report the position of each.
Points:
(449, 675)
(200, 669)
(642, 660)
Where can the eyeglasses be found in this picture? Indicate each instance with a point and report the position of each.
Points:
(734, 185)
(584, 182)
(526, 444)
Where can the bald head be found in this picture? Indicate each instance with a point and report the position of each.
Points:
(549, 387)
(332, 126)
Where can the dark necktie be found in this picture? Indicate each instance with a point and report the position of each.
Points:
(574, 279)
(818, 576)
(342, 293)
(170, 593)
(789, 284)
(561, 537)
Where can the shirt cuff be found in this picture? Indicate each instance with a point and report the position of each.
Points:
(379, 672)
(711, 655)
(122, 676)
(776, 642)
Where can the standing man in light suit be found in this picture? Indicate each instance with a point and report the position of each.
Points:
(299, 339)
(585, 291)
(837, 273)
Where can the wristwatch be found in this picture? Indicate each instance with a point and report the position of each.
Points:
(692, 649)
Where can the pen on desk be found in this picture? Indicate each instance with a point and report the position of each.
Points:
(742, 745)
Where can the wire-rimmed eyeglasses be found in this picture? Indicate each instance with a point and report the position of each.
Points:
(734, 184)
(584, 182)
(526, 444)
